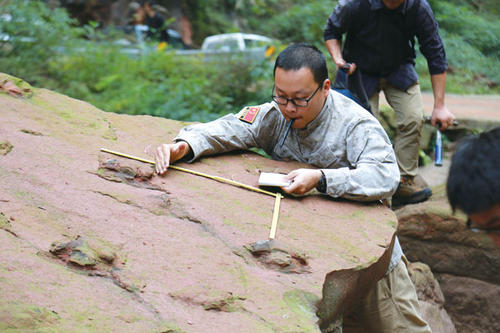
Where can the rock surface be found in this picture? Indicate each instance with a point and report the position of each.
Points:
(432, 234)
(431, 298)
(472, 304)
(465, 262)
(94, 242)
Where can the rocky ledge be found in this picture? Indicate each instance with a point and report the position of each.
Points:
(90, 241)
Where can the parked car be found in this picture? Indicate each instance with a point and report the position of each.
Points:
(233, 44)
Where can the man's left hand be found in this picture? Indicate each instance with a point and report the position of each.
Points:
(303, 180)
(442, 116)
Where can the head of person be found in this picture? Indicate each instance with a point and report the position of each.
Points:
(137, 13)
(301, 83)
(148, 6)
(474, 179)
(392, 4)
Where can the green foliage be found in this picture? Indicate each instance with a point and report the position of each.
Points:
(472, 42)
(47, 50)
(479, 31)
(470, 72)
(292, 21)
(470, 31)
(209, 17)
(35, 33)
(160, 83)
(491, 7)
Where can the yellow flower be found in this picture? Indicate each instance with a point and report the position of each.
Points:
(161, 46)
(270, 51)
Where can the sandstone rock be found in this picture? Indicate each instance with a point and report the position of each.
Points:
(426, 285)
(466, 263)
(209, 299)
(474, 305)
(437, 317)
(145, 172)
(5, 147)
(80, 253)
(19, 317)
(277, 255)
(167, 253)
(430, 233)
(15, 87)
(431, 298)
(32, 132)
(4, 222)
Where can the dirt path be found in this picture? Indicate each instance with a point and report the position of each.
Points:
(478, 107)
(470, 110)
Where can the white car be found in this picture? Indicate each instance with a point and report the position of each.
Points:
(249, 46)
(235, 42)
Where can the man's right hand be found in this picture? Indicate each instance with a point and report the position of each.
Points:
(165, 154)
(334, 46)
(352, 67)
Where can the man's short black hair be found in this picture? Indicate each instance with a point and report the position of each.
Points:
(474, 177)
(297, 56)
(151, 3)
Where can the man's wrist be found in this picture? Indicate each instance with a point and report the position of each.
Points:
(188, 153)
(321, 186)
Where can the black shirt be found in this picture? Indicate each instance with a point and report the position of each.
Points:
(345, 19)
(157, 29)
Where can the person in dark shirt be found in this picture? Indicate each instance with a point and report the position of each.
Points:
(154, 21)
(380, 43)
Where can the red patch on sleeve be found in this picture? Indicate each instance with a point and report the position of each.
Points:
(250, 114)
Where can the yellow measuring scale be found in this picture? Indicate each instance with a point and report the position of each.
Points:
(278, 196)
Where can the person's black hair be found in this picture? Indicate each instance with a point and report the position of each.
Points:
(474, 177)
(297, 56)
(151, 3)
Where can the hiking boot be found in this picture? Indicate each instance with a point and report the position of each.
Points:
(409, 192)
(420, 181)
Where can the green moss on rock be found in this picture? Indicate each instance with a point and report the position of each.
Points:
(302, 303)
(4, 222)
(21, 317)
(170, 328)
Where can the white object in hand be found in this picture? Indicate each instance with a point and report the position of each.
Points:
(273, 179)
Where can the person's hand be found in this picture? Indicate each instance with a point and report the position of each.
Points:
(441, 115)
(165, 154)
(334, 46)
(352, 68)
(303, 180)
(343, 64)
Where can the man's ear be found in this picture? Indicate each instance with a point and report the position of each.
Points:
(326, 87)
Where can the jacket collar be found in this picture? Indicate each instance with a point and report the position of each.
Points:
(320, 119)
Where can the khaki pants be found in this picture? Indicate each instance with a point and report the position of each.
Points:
(391, 306)
(408, 107)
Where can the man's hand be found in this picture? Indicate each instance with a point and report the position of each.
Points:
(334, 46)
(440, 113)
(352, 67)
(442, 116)
(303, 180)
(165, 154)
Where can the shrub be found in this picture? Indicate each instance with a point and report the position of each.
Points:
(35, 34)
(161, 83)
(480, 31)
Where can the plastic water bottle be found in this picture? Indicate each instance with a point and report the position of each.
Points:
(438, 149)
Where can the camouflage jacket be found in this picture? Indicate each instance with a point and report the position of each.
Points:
(345, 141)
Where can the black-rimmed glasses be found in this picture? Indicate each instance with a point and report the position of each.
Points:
(474, 227)
(299, 102)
